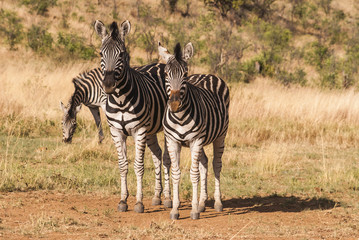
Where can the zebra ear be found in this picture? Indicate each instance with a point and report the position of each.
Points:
(163, 52)
(100, 29)
(125, 29)
(62, 106)
(188, 52)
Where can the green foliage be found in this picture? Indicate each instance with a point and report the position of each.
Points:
(39, 39)
(39, 6)
(326, 63)
(226, 51)
(11, 28)
(317, 54)
(288, 78)
(274, 36)
(305, 12)
(261, 8)
(145, 37)
(222, 5)
(325, 5)
(75, 46)
(146, 41)
(276, 42)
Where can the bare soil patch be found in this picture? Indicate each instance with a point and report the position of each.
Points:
(58, 215)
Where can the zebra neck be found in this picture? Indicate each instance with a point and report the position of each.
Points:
(128, 82)
(76, 99)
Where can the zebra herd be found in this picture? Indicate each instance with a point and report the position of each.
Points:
(142, 101)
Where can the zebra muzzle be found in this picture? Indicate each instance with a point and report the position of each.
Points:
(174, 101)
(174, 106)
(67, 140)
(109, 82)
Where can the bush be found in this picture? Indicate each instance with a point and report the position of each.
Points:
(39, 39)
(305, 12)
(39, 6)
(317, 54)
(288, 78)
(11, 28)
(75, 46)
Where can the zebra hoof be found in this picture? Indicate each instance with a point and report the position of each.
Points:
(139, 207)
(194, 215)
(167, 203)
(156, 201)
(174, 216)
(201, 207)
(218, 207)
(122, 206)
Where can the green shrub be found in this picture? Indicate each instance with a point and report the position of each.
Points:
(274, 36)
(39, 39)
(39, 6)
(305, 13)
(75, 46)
(288, 78)
(329, 80)
(11, 28)
(317, 54)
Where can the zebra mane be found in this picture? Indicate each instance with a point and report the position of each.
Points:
(76, 80)
(178, 52)
(114, 30)
(71, 104)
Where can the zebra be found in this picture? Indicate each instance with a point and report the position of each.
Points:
(135, 105)
(196, 115)
(88, 91)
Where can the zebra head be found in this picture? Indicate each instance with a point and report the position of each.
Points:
(69, 121)
(114, 57)
(176, 71)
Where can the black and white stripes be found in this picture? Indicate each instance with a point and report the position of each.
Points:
(197, 115)
(135, 106)
(88, 91)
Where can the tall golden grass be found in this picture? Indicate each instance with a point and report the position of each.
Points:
(33, 86)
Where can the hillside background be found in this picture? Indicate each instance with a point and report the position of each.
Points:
(311, 43)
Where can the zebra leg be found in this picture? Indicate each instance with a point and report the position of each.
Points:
(140, 145)
(174, 151)
(218, 148)
(120, 142)
(203, 169)
(167, 166)
(196, 151)
(96, 115)
(156, 151)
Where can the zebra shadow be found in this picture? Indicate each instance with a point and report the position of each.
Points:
(273, 203)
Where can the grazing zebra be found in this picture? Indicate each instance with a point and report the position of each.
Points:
(88, 91)
(197, 115)
(135, 106)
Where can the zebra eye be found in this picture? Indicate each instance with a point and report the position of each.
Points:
(101, 54)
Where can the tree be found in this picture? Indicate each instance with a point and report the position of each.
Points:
(11, 27)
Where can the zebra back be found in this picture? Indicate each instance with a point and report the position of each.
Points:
(88, 89)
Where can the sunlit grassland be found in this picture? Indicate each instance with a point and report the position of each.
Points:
(285, 141)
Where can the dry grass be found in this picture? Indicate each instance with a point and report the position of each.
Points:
(275, 132)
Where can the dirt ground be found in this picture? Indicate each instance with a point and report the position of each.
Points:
(56, 215)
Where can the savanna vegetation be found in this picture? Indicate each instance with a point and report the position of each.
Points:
(292, 67)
